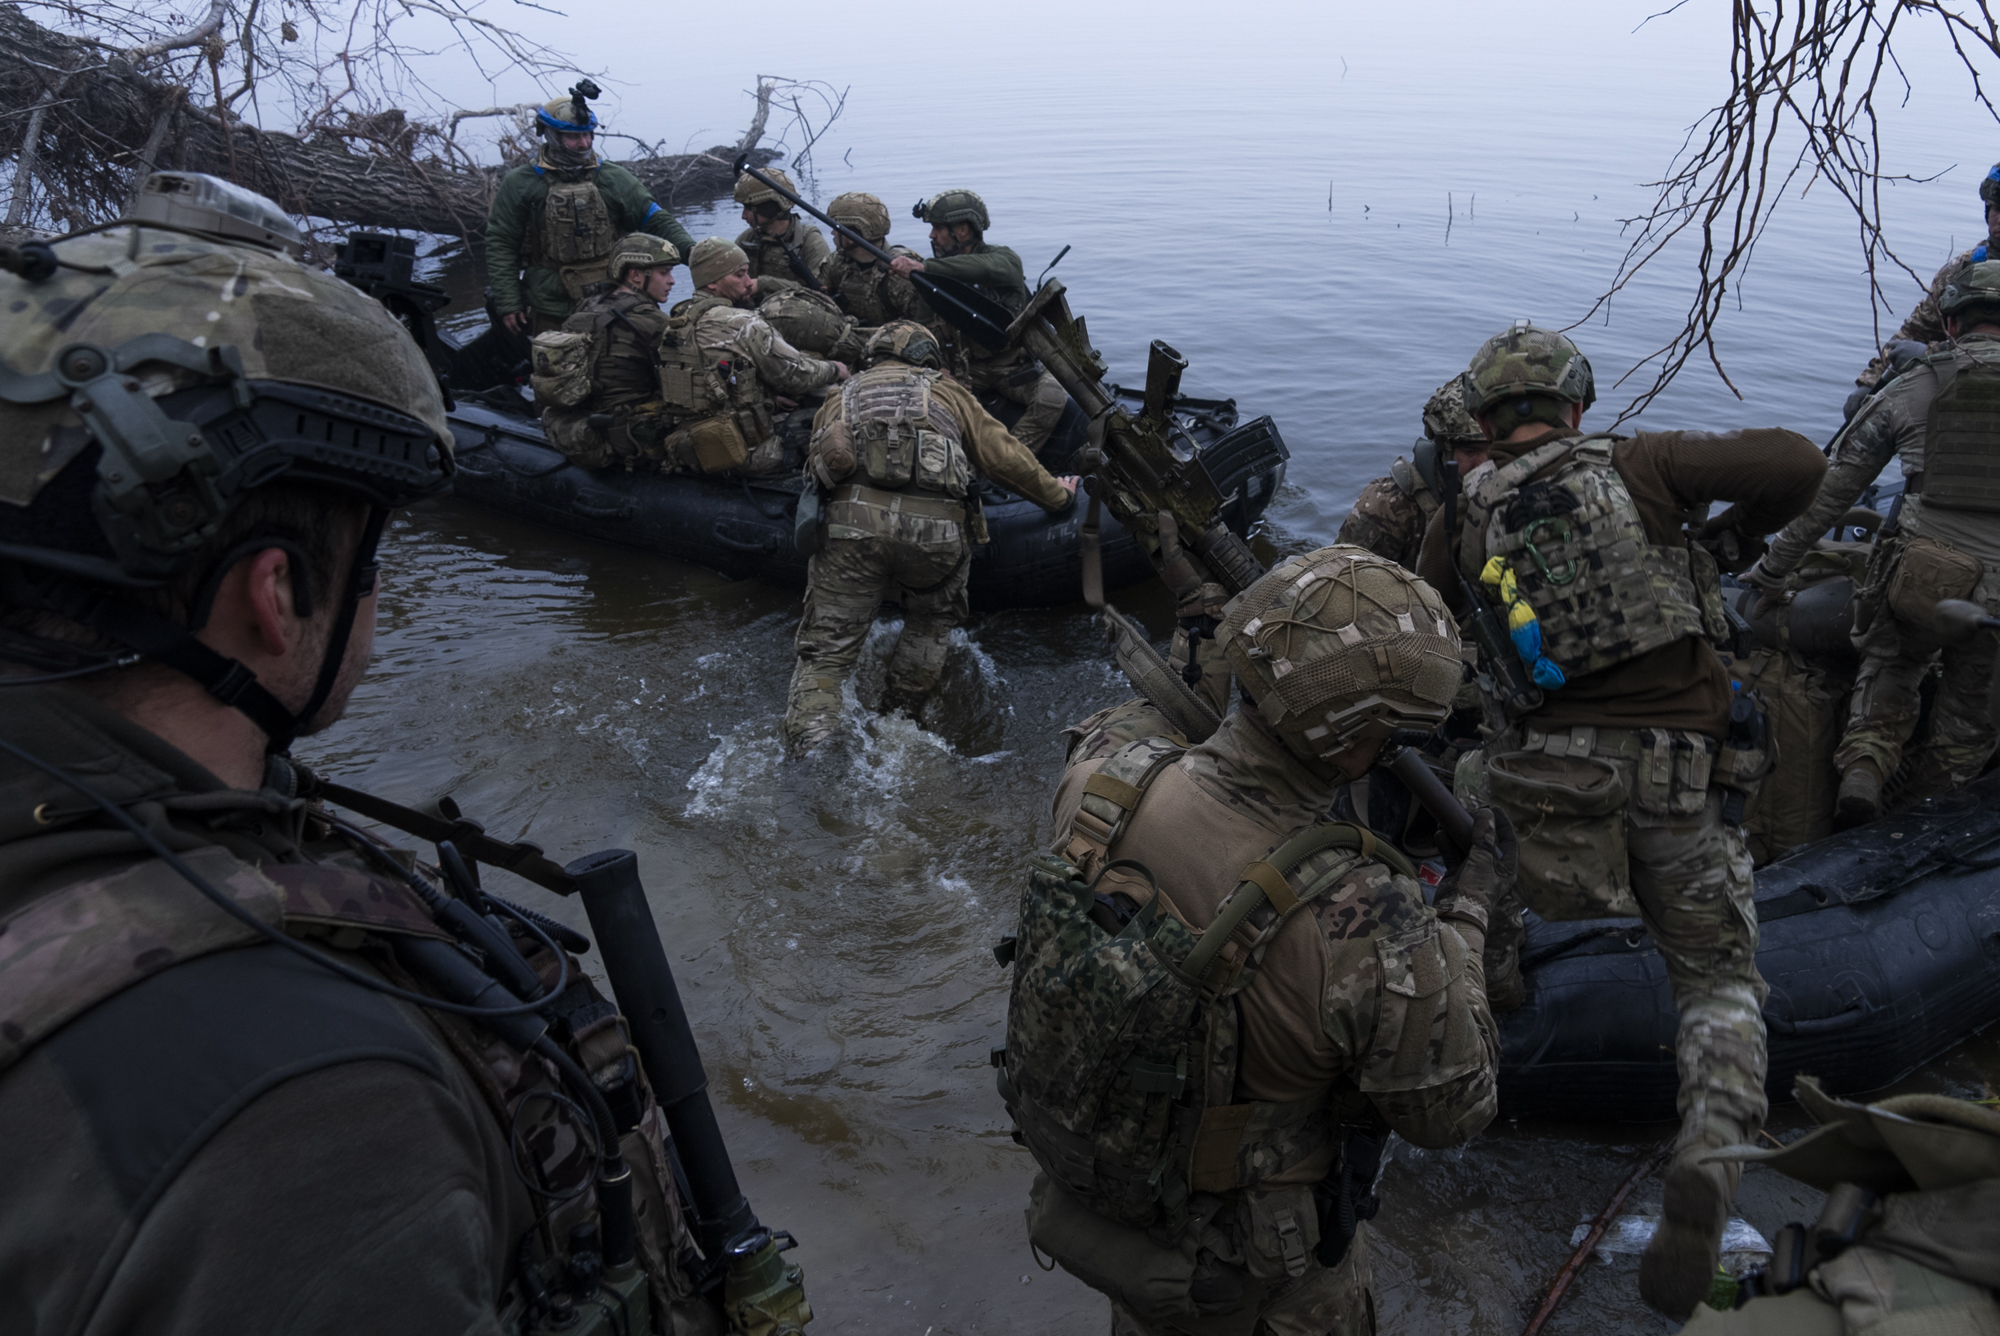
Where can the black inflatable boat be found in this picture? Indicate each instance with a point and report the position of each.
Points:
(1881, 947)
(744, 528)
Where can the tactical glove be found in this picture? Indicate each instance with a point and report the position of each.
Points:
(1485, 875)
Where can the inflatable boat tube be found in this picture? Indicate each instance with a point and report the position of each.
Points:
(1881, 947)
(743, 528)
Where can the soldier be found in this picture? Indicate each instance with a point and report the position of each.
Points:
(867, 289)
(598, 381)
(1945, 544)
(899, 450)
(1620, 778)
(554, 222)
(1209, 1123)
(959, 250)
(785, 250)
(1390, 514)
(726, 365)
(1925, 324)
(262, 1119)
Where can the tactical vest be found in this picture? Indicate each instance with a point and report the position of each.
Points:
(1120, 1066)
(576, 234)
(76, 950)
(1962, 432)
(1566, 525)
(902, 436)
(724, 398)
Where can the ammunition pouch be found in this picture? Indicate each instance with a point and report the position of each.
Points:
(1927, 572)
(717, 445)
(1569, 816)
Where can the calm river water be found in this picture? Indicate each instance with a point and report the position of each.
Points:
(1327, 212)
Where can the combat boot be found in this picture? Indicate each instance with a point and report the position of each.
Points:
(1678, 1267)
(1860, 798)
(1506, 986)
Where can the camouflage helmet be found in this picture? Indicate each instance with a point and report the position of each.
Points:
(1527, 361)
(713, 258)
(1340, 646)
(565, 116)
(1446, 421)
(641, 250)
(906, 341)
(1975, 285)
(1989, 187)
(954, 206)
(749, 190)
(865, 213)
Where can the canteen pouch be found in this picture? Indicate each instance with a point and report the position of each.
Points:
(717, 444)
(1114, 1259)
(1928, 572)
(560, 367)
(1569, 815)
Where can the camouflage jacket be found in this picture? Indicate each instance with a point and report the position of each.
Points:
(771, 257)
(1890, 425)
(203, 1132)
(740, 337)
(873, 294)
(1389, 516)
(1356, 1000)
(627, 370)
(989, 447)
(516, 217)
(1925, 323)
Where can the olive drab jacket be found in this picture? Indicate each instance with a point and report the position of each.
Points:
(996, 272)
(202, 1131)
(517, 265)
(771, 258)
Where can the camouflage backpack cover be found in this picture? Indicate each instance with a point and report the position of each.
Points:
(1120, 1064)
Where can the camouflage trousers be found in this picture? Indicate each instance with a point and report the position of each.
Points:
(1882, 714)
(1666, 855)
(1042, 393)
(1224, 1269)
(919, 561)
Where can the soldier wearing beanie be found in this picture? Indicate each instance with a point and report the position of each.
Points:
(784, 250)
(748, 369)
(554, 221)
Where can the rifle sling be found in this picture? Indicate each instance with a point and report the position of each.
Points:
(523, 859)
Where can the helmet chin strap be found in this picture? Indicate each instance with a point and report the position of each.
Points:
(228, 680)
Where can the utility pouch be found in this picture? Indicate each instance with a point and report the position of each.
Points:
(1115, 1259)
(1930, 571)
(830, 456)
(754, 423)
(1282, 1229)
(1873, 589)
(1569, 814)
(1672, 773)
(718, 443)
(560, 367)
(579, 280)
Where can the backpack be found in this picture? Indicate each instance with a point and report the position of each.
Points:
(564, 365)
(1120, 1063)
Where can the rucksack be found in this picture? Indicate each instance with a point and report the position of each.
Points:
(564, 362)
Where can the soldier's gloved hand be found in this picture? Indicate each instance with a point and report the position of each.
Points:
(1902, 352)
(1487, 872)
(1761, 576)
(1732, 547)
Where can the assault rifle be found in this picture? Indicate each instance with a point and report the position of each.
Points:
(1516, 690)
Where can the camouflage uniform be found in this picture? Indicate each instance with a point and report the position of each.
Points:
(1925, 323)
(762, 365)
(625, 384)
(874, 294)
(1323, 1020)
(903, 546)
(1391, 513)
(772, 258)
(1898, 638)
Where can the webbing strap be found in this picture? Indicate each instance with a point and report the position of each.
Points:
(1114, 789)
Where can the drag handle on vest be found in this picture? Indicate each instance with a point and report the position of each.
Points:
(956, 302)
(643, 983)
(1517, 690)
(1454, 822)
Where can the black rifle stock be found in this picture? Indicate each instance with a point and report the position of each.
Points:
(1517, 690)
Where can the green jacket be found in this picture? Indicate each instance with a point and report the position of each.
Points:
(995, 270)
(517, 209)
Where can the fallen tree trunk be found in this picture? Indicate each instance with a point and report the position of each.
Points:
(100, 122)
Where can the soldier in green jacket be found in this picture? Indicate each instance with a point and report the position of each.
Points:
(959, 250)
(554, 223)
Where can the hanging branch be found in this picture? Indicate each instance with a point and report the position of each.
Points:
(1804, 77)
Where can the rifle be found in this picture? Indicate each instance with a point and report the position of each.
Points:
(956, 302)
(1516, 689)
